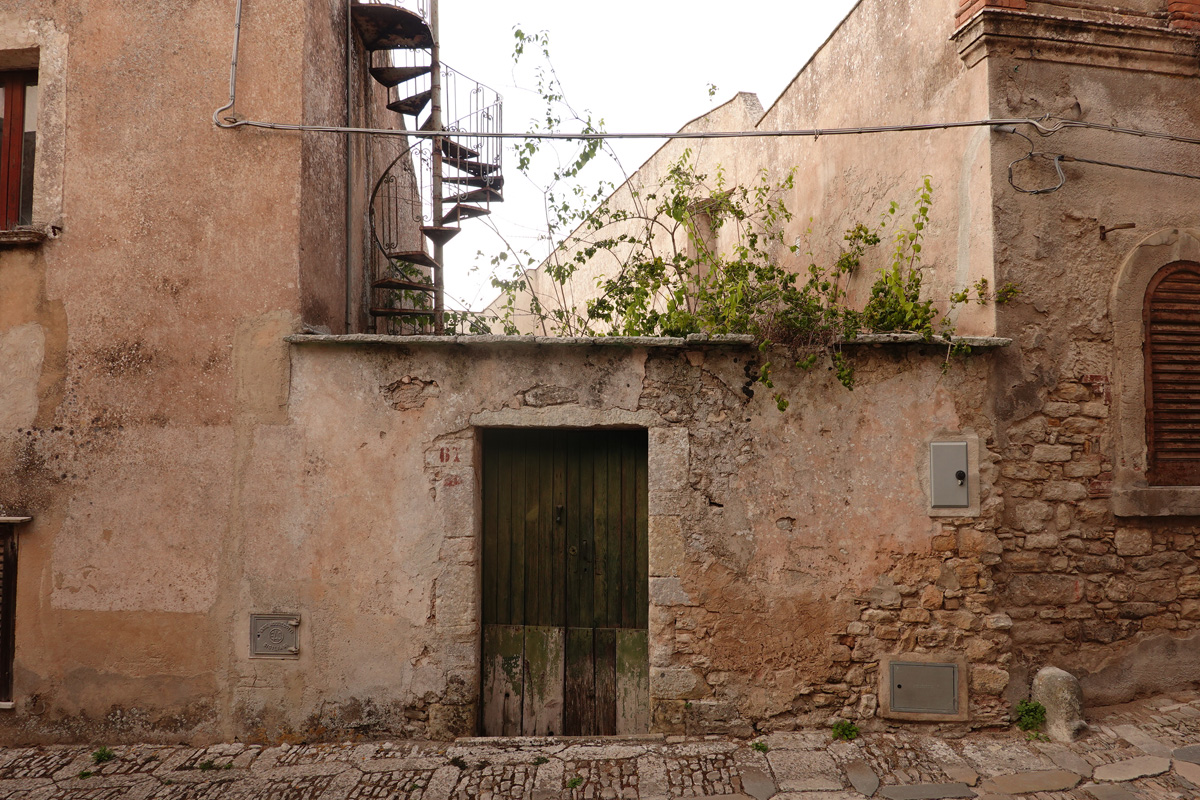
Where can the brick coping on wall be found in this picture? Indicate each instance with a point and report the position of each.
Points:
(692, 340)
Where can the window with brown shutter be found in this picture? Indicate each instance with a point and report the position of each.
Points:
(1172, 354)
(18, 145)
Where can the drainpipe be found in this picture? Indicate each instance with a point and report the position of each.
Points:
(349, 174)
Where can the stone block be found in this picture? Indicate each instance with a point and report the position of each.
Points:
(1137, 610)
(1161, 591)
(1108, 791)
(998, 622)
(1031, 516)
(972, 542)
(804, 770)
(1096, 408)
(677, 684)
(668, 454)
(1189, 586)
(1025, 471)
(1051, 453)
(665, 544)
(988, 680)
(1132, 769)
(1060, 410)
(1064, 490)
(1190, 609)
(1037, 633)
(1050, 780)
(669, 592)
(926, 791)
(1042, 589)
(884, 594)
(1133, 542)
(1189, 772)
(1059, 691)
(1041, 541)
(1099, 565)
(862, 777)
(931, 598)
(1081, 469)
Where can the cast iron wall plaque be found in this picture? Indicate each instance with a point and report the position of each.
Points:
(275, 635)
(924, 688)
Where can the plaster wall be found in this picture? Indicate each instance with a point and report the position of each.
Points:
(146, 339)
(771, 535)
(890, 62)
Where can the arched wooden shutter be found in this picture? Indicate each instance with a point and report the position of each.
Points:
(1172, 354)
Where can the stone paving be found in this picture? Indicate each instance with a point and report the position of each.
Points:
(1144, 751)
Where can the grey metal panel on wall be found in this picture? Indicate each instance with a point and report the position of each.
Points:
(949, 475)
(924, 688)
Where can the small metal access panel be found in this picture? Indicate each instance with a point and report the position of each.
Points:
(274, 635)
(948, 475)
(919, 688)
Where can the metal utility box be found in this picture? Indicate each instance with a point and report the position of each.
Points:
(924, 688)
(274, 635)
(949, 475)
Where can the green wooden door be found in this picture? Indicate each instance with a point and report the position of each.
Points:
(565, 583)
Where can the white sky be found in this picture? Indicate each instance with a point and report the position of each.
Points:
(641, 65)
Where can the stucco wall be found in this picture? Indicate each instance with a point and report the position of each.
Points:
(905, 69)
(772, 534)
(145, 337)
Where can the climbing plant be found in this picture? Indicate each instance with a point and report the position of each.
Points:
(696, 252)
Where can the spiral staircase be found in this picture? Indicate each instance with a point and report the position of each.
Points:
(431, 183)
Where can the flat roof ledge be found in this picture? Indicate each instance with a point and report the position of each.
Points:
(692, 340)
(919, 338)
(490, 340)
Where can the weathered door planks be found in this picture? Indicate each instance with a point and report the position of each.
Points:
(565, 588)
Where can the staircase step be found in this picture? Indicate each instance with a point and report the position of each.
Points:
(394, 76)
(484, 195)
(402, 312)
(476, 168)
(412, 105)
(418, 257)
(427, 125)
(439, 234)
(387, 27)
(402, 285)
(461, 212)
(453, 149)
(414, 257)
(490, 181)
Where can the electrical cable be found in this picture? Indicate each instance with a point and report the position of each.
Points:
(1059, 158)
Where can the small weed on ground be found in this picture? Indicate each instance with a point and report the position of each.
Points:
(102, 755)
(575, 782)
(87, 773)
(761, 747)
(1031, 715)
(845, 730)
(541, 760)
(205, 766)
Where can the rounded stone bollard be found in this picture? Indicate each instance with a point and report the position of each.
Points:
(1059, 692)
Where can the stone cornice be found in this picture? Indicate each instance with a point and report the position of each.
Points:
(1025, 35)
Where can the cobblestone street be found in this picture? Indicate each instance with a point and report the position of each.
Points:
(1149, 750)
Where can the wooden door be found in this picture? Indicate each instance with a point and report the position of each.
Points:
(565, 583)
